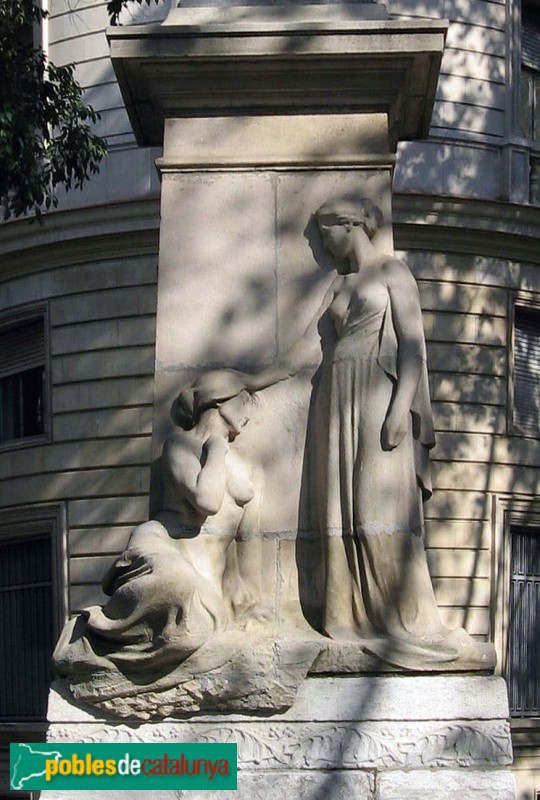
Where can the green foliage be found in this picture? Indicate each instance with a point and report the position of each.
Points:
(45, 134)
(114, 7)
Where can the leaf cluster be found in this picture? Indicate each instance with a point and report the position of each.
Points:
(115, 7)
(46, 139)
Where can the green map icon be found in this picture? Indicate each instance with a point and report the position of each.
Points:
(27, 762)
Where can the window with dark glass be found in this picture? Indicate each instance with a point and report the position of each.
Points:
(26, 625)
(22, 379)
(32, 606)
(523, 662)
(530, 70)
(526, 370)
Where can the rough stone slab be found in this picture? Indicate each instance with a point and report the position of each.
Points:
(450, 785)
(435, 697)
(237, 674)
(334, 785)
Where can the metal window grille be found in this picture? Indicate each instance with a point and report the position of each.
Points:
(26, 626)
(526, 411)
(524, 623)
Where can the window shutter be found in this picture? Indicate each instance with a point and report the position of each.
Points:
(527, 369)
(524, 623)
(22, 347)
(530, 47)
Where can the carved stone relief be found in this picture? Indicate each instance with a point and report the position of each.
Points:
(186, 627)
(318, 746)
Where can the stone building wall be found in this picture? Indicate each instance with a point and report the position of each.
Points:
(471, 117)
(471, 121)
(100, 297)
(466, 302)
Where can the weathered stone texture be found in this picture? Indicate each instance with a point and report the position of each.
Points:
(452, 785)
(335, 785)
(370, 738)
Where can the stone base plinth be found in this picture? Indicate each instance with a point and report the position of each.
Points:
(351, 738)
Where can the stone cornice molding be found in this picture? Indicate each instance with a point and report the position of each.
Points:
(421, 222)
(79, 236)
(476, 227)
(283, 59)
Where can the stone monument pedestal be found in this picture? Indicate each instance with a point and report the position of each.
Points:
(349, 738)
(266, 114)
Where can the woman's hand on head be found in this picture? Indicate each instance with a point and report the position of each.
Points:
(218, 386)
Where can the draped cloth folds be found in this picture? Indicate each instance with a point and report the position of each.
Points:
(371, 499)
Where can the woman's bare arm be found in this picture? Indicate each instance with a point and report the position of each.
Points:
(300, 355)
(407, 319)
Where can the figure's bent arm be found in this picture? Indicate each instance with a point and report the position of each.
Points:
(201, 483)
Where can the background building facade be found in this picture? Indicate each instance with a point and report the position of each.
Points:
(77, 334)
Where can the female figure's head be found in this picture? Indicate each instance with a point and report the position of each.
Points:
(218, 389)
(337, 220)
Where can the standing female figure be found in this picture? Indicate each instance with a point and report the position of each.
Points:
(374, 432)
